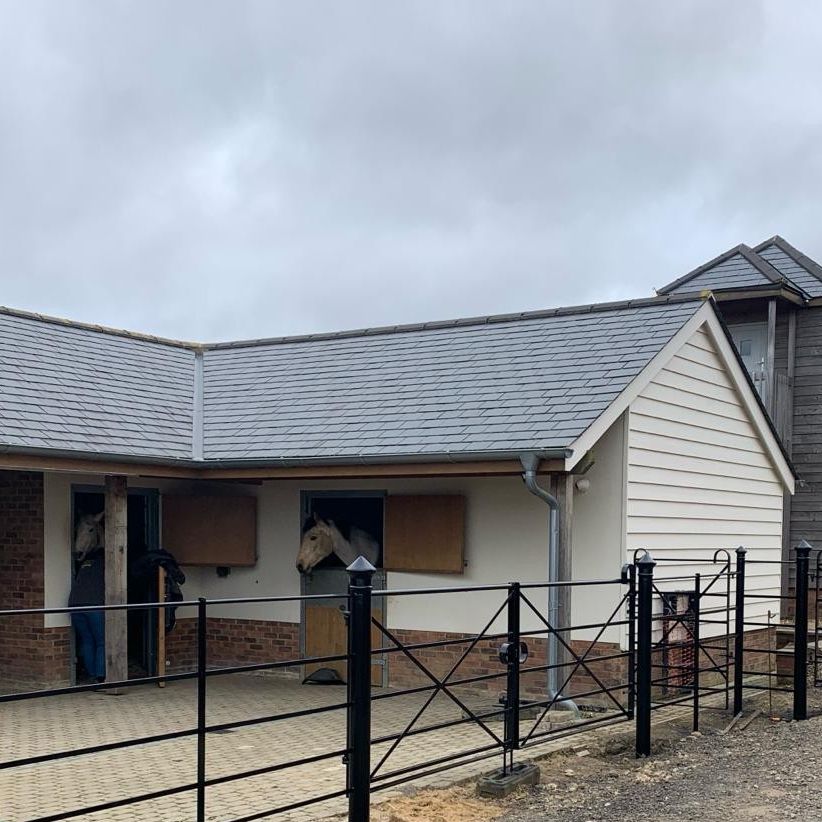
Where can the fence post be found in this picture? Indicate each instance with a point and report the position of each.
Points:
(696, 666)
(512, 699)
(739, 629)
(360, 574)
(201, 706)
(645, 608)
(800, 634)
(629, 576)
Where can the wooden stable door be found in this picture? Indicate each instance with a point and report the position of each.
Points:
(326, 634)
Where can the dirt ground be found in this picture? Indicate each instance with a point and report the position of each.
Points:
(770, 770)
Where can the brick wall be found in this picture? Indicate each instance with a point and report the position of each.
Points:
(233, 642)
(29, 653)
(240, 641)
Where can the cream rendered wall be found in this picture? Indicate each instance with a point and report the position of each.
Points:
(699, 477)
(598, 543)
(506, 539)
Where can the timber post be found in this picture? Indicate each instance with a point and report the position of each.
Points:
(116, 569)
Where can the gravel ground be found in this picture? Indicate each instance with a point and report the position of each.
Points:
(771, 770)
(768, 771)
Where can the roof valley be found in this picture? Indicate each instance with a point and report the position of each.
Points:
(197, 408)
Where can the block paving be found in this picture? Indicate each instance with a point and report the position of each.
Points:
(61, 723)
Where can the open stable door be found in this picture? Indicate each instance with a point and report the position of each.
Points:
(325, 632)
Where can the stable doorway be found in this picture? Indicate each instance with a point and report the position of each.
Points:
(143, 536)
(323, 630)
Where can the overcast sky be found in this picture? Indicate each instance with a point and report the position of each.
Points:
(215, 170)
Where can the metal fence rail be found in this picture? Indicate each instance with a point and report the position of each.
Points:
(728, 601)
(200, 781)
(672, 639)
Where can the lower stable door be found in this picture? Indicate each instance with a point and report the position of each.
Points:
(325, 632)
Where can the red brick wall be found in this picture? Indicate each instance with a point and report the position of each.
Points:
(29, 652)
(233, 642)
(239, 641)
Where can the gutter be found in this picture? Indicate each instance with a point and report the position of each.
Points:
(454, 457)
(530, 465)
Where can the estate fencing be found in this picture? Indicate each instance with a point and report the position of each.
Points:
(670, 640)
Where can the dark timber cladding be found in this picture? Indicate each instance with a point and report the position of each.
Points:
(806, 513)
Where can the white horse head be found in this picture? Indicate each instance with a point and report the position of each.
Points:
(317, 543)
(321, 538)
(89, 534)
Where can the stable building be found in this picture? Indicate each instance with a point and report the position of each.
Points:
(638, 418)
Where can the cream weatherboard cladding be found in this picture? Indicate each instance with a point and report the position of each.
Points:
(699, 474)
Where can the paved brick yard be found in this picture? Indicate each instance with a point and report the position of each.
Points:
(38, 726)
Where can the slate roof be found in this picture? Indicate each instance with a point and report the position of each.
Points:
(489, 386)
(792, 264)
(772, 263)
(68, 387)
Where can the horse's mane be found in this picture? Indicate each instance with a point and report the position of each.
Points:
(343, 527)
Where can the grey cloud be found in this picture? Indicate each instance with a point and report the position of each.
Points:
(212, 170)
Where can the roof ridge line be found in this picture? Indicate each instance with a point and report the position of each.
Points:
(100, 329)
(488, 319)
(590, 308)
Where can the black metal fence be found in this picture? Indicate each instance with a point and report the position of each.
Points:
(519, 671)
(669, 640)
(692, 626)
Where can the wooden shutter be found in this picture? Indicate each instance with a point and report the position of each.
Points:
(210, 530)
(424, 534)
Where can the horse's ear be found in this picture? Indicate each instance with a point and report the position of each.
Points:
(316, 517)
(99, 517)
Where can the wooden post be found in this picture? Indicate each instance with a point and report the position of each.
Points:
(116, 557)
(563, 488)
(161, 625)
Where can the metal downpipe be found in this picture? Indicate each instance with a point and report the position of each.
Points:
(530, 463)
